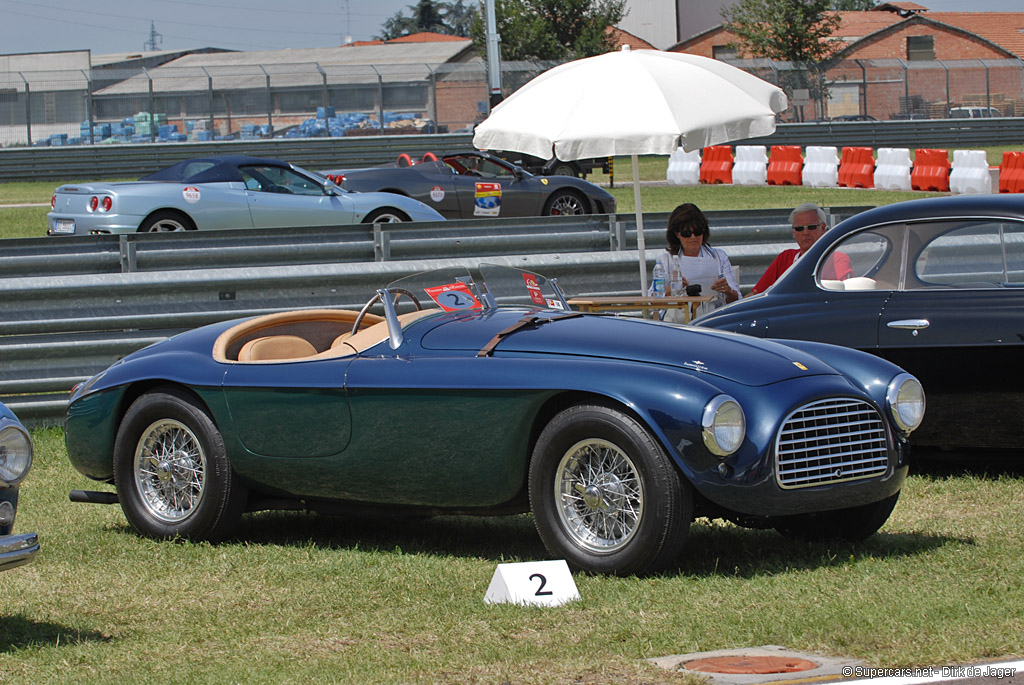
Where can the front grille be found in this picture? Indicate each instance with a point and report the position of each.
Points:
(830, 441)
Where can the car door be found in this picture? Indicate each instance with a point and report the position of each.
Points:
(958, 320)
(289, 409)
(280, 197)
(841, 311)
(489, 189)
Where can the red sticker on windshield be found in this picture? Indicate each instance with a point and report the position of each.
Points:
(453, 297)
(535, 293)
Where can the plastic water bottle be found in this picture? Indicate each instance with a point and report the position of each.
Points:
(658, 286)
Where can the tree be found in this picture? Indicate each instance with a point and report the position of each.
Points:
(451, 18)
(557, 30)
(785, 30)
(852, 5)
(794, 31)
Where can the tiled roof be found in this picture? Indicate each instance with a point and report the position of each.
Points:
(855, 25)
(1005, 29)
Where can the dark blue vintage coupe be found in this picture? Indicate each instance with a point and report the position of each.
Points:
(937, 288)
(481, 393)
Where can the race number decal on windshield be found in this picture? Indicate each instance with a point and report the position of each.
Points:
(535, 293)
(453, 297)
(488, 199)
(191, 194)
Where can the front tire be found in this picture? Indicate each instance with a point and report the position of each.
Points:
(565, 202)
(853, 524)
(604, 494)
(172, 472)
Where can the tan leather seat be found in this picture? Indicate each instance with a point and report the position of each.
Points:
(275, 348)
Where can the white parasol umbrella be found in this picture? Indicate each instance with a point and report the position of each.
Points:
(632, 103)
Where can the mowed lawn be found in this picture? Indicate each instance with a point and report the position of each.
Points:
(297, 597)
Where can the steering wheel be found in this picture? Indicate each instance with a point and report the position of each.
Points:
(397, 292)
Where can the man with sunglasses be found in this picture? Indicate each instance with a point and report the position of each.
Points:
(809, 224)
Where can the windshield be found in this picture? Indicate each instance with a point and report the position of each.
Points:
(457, 289)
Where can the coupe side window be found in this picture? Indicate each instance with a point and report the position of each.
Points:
(965, 255)
(1013, 245)
(864, 261)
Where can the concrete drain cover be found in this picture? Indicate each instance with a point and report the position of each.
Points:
(754, 665)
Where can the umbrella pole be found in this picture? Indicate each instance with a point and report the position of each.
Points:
(641, 246)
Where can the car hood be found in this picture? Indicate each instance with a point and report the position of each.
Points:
(739, 358)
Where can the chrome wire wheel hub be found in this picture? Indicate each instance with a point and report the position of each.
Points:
(170, 470)
(599, 496)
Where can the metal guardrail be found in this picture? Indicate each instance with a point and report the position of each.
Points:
(95, 162)
(131, 161)
(71, 306)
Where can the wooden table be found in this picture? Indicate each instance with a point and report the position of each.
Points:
(648, 305)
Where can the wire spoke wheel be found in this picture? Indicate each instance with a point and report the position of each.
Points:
(566, 203)
(600, 496)
(170, 470)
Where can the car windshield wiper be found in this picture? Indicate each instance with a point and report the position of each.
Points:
(526, 321)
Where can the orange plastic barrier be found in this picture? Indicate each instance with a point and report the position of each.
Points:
(857, 168)
(1011, 173)
(931, 170)
(716, 164)
(785, 166)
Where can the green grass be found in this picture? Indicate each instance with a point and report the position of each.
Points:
(297, 597)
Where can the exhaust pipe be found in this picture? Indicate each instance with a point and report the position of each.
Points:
(93, 497)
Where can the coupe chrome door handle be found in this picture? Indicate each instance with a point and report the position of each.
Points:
(909, 324)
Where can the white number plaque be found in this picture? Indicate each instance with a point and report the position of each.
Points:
(542, 583)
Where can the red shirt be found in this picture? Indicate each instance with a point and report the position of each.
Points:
(838, 268)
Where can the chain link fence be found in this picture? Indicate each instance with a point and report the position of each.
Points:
(308, 100)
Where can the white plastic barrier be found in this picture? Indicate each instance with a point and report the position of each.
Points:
(683, 168)
(821, 167)
(892, 168)
(970, 173)
(751, 166)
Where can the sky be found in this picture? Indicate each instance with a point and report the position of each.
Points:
(111, 26)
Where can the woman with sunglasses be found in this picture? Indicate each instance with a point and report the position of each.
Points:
(808, 221)
(690, 259)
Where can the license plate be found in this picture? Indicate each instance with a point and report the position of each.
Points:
(64, 226)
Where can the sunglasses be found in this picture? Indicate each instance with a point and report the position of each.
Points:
(687, 232)
(809, 227)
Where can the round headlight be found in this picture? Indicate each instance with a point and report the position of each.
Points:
(905, 398)
(15, 454)
(723, 425)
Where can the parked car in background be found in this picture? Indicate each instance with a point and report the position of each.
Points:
(937, 288)
(229, 191)
(15, 462)
(554, 166)
(614, 432)
(973, 112)
(473, 184)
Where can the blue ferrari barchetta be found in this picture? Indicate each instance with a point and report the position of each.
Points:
(482, 393)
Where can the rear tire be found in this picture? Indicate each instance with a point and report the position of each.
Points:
(166, 222)
(604, 494)
(853, 524)
(172, 472)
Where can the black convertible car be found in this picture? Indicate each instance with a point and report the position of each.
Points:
(473, 184)
(937, 288)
